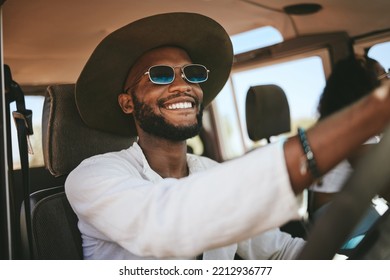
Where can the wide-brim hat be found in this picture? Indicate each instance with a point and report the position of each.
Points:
(103, 77)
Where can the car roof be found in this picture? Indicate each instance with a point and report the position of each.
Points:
(49, 41)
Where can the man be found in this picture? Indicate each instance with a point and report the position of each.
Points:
(155, 201)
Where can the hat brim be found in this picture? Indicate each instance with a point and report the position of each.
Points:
(105, 73)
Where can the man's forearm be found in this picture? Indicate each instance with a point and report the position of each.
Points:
(337, 136)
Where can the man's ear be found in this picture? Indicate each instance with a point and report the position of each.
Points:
(126, 102)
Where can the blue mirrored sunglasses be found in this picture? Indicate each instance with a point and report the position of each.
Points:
(165, 74)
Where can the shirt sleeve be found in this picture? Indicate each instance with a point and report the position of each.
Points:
(271, 245)
(222, 205)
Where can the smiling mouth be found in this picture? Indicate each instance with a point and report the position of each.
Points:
(179, 105)
(179, 101)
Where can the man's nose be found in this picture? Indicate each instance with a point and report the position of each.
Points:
(180, 83)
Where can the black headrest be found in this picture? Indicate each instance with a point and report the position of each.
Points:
(267, 112)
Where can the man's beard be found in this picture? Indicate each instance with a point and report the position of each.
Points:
(158, 126)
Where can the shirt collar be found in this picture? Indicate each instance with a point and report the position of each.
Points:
(193, 161)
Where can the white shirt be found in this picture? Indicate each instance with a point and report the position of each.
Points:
(335, 179)
(127, 211)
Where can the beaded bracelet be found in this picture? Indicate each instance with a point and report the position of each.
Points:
(308, 161)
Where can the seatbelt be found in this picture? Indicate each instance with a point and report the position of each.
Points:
(23, 123)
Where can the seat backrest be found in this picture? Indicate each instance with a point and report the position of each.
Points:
(267, 112)
(66, 142)
(66, 139)
(54, 231)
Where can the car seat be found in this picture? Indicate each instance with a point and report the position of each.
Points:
(67, 141)
(267, 112)
(267, 115)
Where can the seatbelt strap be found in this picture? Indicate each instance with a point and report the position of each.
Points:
(23, 123)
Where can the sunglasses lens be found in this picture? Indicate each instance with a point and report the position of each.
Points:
(161, 74)
(195, 73)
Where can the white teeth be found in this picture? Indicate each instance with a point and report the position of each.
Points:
(181, 105)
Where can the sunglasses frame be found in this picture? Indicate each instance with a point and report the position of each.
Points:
(183, 76)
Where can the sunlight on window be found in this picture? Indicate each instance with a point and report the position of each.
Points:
(34, 103)
(255, 39)
(380, 52)
(228, 124)
(302, 80)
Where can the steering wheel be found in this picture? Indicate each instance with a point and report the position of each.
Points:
(371, 176)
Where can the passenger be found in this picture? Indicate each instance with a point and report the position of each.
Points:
(351, 79)
(155, 201)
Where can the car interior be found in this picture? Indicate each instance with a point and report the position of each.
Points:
(46, 44)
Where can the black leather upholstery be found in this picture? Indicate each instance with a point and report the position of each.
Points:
(267, 112)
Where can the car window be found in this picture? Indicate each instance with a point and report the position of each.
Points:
(255, 39)
(302, 80)
(380, 52)
(34, 103)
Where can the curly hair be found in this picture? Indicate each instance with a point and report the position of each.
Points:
(351, 79)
